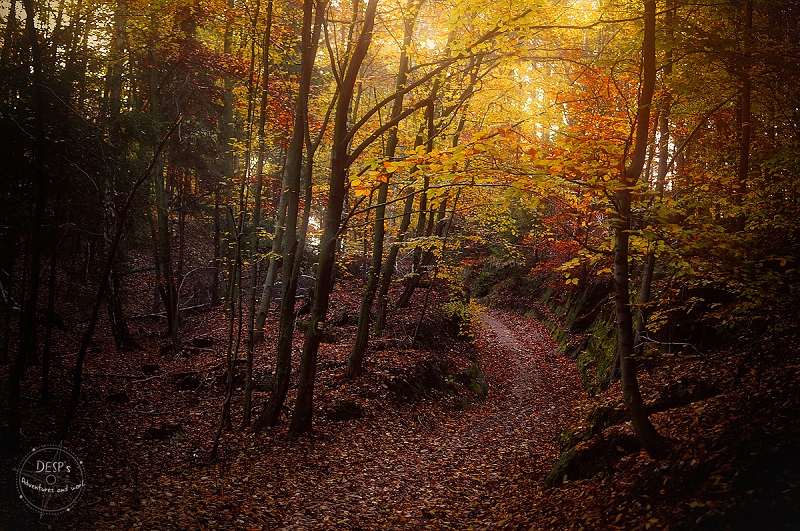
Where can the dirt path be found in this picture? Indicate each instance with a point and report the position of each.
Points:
(417, 467)
(468, 468)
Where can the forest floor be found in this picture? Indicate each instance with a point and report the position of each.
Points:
(440, 459)
(447, 460)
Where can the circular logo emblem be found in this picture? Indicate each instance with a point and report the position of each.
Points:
(50, 479)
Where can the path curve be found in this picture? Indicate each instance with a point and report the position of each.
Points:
(471, 468)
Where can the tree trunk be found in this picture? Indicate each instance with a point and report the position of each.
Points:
(28, 340)
(113, 89)
(217, 255)
(8, 36)
(423, 228)
(105, 276)
(230, 357)
(293, 171)
(387, 272)
(271, 413)
(745, 118)
(123, 339)
(356, 360)
(163, 236)
(416, 274)
(441, 233)
(648, 270)
(51, 301)
(650, 439)
(262, 120)
(166, 280)
(301, 418)
(227, 132)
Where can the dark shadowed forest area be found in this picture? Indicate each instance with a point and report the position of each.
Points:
(399, 264)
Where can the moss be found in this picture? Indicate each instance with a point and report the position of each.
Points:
(431, 377)
(187, 381)
(419, 381)
(588, 458)
(583, 328)
(559, 472)
(474, 380)
(596, 357)
(599, 418)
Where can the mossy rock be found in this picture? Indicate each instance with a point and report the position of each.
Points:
(419, 381)
(342, 317)
(603, 417)
(437, 335)
(588, 458)
(598, 419)
(474, 380)
(150, 368)
(682, 392)
(203, 342)
(267, 383)
(344, 411)
(596, 354)
(118, 397)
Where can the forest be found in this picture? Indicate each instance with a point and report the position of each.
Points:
(406, 264)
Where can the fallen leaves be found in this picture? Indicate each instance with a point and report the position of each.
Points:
(444, 461)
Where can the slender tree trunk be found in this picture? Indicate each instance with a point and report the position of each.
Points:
(227, 131)
(303, 412)
(123, 338)
(8, 36)
(272, 271)
(308, 189)
(433, 227)
(119, 327)
(440, 231)
(651, 440)
(28, 340)
(649, 265)
(217, 255)
(280, 387)
(51, 301)
(356, 359)
(262, 120)
(6, 284)
(422, 261)
(745, 118)
(230, 355)
(166, 280)
(163, 236)
(647, 174)
(113, 102)
(422, 226)
(387, 272)
(293, 171)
